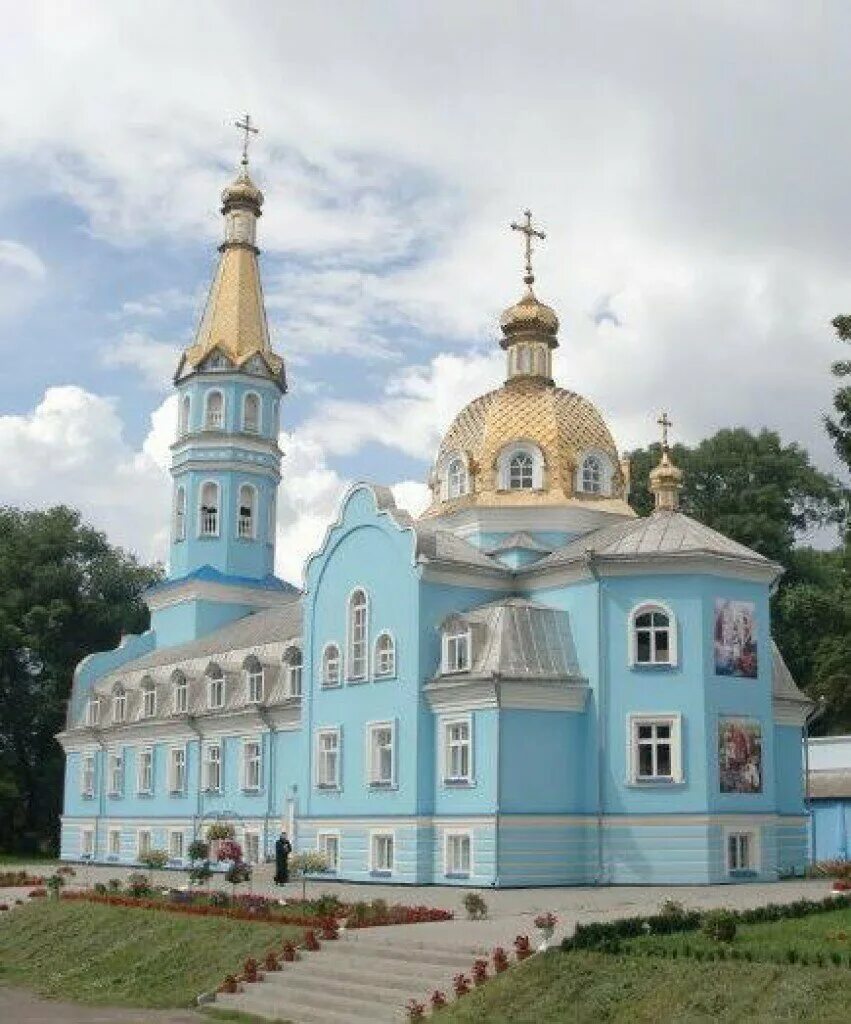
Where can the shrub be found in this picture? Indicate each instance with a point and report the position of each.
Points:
(154, 860)
(522, 947)
(379, 908)
(500, 960)
(326, 905)
(229, 849)
(219, 899)
(438, 1000)
(230, 984)
(475, 906)
(200, 872)
(35, 894)
(199, 850)
(55, 883)
(415, 1010)
(288, 952)
(310, 862)
(250, 970)
(359, 914)
(480, 972)
(271, 961)
(310, 940)
(461, 984)
(672, 908)
(100, 888)
(114, 885)
(138, 885)
(720, 925)
(220, 830)
(238, 873)
(330, 928)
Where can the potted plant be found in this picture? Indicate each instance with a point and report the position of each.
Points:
(218, 831)
(500, 960)
(475, 906)
(310, 862)
(522, 948)
(546, 925)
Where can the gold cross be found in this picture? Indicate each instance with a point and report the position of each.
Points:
(246, 126)
(664, 423)
(530, 233)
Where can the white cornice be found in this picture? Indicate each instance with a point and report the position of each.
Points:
(791, 712)
(222, 439)
(462, 576)
(450, 696)
(704, 564)
(572, 519)
(211, 590)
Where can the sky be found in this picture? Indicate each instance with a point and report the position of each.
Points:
(687, 160)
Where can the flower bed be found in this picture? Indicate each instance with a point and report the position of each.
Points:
(19, 879)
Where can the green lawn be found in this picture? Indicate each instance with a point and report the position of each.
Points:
(108, 955)
(21, 861)
(595, 988)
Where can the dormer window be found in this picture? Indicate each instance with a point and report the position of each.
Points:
(456, 650)
(149, 699)
(119, 705)
(253, 672)
(93, 712)
(215, 687)
(521, 468)
(293, 666)
(181, 693)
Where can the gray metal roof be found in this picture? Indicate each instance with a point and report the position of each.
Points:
(662, 533)
(521, 539)
(783, 685)
(436, 545)
(833, 784)
(521, 639)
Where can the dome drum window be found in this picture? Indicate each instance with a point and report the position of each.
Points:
(214, 411)
(456, 482)
(520, 467)
(653, 636)
(594, 474)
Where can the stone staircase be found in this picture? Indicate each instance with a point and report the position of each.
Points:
(358, 978)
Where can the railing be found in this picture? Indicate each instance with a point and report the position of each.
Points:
(209, 522)
(246, 527)
(213, 420)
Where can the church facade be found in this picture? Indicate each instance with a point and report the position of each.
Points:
(527, 685)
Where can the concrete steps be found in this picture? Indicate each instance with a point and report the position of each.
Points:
(354, 979)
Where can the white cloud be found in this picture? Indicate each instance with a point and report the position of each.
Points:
(22, 276)
(155, 361)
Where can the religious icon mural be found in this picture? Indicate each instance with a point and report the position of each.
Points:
(735, 638)
(740, 755)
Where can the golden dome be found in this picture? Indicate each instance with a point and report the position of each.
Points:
(240, 191)
(563, 426)
(529, 315)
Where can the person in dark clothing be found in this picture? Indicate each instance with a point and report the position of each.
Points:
(283, 848)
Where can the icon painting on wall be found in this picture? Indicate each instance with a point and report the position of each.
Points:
(735, 638)
(740, 755)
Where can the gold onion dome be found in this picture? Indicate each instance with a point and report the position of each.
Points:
(241, 190)
(529, 315)
(666, 479)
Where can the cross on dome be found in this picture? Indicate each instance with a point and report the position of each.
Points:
(664, 423)
(529, 232)
(248, 129)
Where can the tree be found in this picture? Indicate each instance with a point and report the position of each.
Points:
(839, 429)
(64, 593)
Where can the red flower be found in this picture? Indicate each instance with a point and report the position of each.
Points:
(461, 984)
(438, 1000)
(480, 972)
(500, 960)
(415, 1010)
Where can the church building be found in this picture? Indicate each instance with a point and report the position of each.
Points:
(527, 685)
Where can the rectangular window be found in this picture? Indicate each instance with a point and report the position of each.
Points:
(143, 843)
(458, 752)
(114, 843)
(175, 845)
(381, 852)
(255, 684)
(87, 775)
(119, 707)
(381, 754)
(655, 754)
(741, 853)
(252, 847)
(87, 843)
(181, 697)
(328, 844)
(93, 712)
(328, 759)
(177, 770)
(458, 854)
(149, 702)
(456, 652)
(251, 765)
(216, 693)
(145, 779)
(116, 774)
(213, 768)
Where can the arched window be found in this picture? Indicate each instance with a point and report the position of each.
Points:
(183, 415)
(246, 523)
(181, 693)
(592, 474)
(251, 413)
(180, 514)
(521, 470)
(252, 671)
(214, 411)
(385, 655)
(93, 712)
(524, 360)
(119, 705)
(356, 666)
(215, 687)
(149, 698)
(653, 639)
(208, 510)
(456, 478)
(292, 670)
(331, 665)
(520, 467)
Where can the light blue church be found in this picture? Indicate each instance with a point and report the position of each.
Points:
(528, 685)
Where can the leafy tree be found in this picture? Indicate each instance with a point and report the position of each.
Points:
(839, 428)
(64, 593)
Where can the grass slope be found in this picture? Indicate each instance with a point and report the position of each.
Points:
(593, 988)
(106, 955)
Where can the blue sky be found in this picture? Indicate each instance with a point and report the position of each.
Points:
(690, 172)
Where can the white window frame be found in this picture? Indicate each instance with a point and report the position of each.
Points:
(179, 525)
(374, 777)
(88, 775)
(119, 706)
(255, 680)
(252, 766)
(208, 416)
(258, 428)
(322, 839)
(146, 754)
(184, 415)
(177, 770)
(446, 747)
(181, 693)
(735, 832)
(606, 473)
(216, 685)
(449, 835)
(246, 526)
(172, 855)
(294, 672)
(380, 655)
(210, 760)
(209, 523)
(374, 837)
(87, 843)
(504, 466)
(113, 849)
(249, 836)
(149, 700)
(353, 676)
(115, 772)
(672, 719)
(337, 680)
(336, 783)
(93, 712)
(455, 484)
(451, 638)
(649, 607)
(143, 848)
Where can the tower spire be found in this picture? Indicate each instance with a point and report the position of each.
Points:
(666, 480)
(248, 129)
(529, 232)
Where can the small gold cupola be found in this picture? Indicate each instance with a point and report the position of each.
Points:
(529, 327)
(666, 480)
